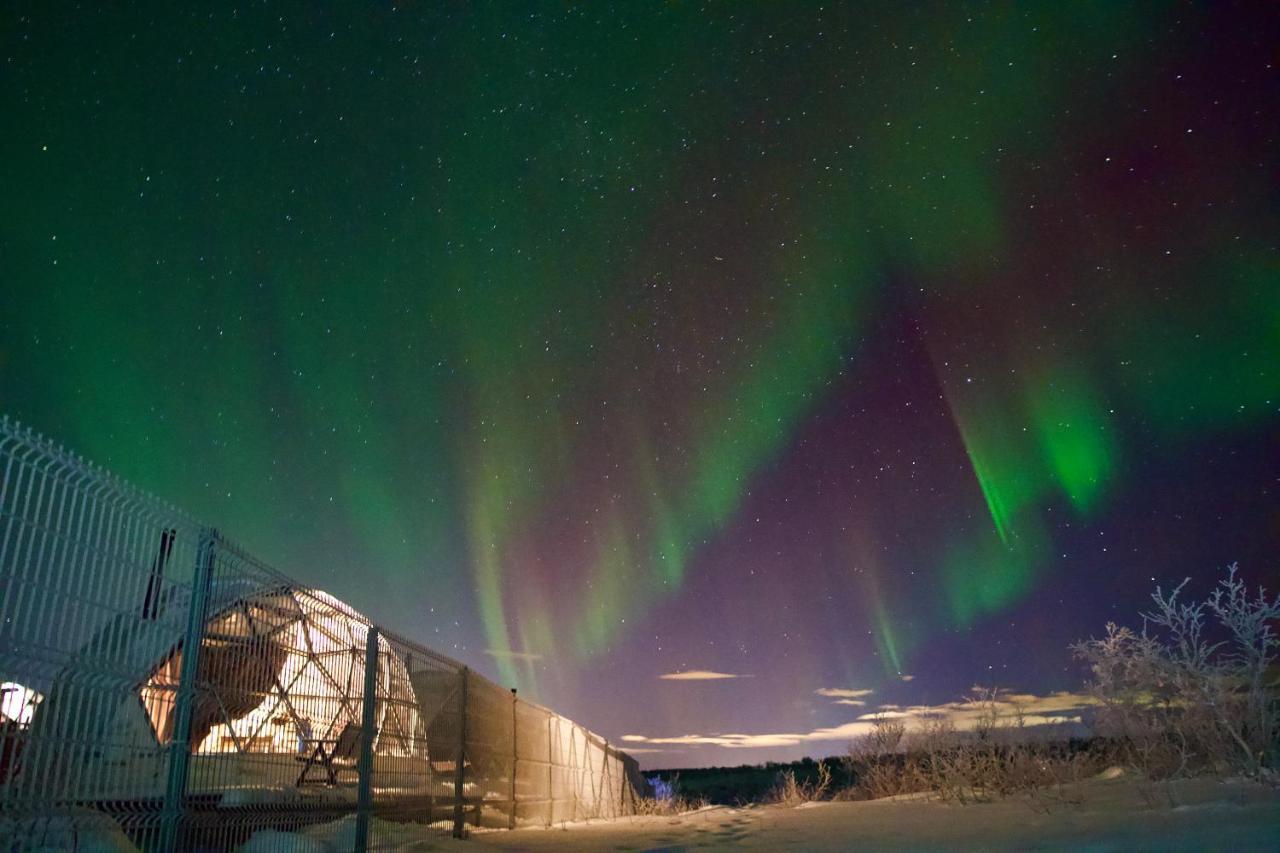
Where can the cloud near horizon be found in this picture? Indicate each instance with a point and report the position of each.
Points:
(699, 675)
(844, 692)
(1055, 709)
(640, 750)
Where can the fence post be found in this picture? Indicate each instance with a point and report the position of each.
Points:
(515, 757)
(623, 785)
(551, 785)
(368, 726)
(175, 792)
(575, 768)
(606, 787)
(459, 776)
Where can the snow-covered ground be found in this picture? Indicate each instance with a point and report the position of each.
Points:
(1114, 815)
(1117, 814)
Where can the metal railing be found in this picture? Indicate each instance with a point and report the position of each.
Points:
(162, 688)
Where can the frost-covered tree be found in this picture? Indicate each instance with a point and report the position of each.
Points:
(1188, 692)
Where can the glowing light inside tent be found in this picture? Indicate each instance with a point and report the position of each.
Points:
(18, 702)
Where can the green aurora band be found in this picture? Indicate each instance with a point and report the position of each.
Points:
(500, 235)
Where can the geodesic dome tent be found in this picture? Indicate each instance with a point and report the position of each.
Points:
(281, 672)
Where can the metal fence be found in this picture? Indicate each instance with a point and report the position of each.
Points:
(165, 690)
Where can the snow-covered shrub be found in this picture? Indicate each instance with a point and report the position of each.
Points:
(874, 762)
(662, 789)
(994, 759)
(789, 791)
(1187, 694)
(667, 799)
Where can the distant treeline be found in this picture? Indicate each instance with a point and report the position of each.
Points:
(749, 783)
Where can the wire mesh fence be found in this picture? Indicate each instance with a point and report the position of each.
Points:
(165, 690)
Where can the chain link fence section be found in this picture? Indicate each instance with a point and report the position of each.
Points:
(525, 765)
(165, 690)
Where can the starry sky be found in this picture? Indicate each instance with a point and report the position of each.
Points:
(859, 352)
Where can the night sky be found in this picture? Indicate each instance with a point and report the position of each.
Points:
(839, 349)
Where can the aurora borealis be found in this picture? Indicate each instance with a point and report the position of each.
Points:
(816, 344)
